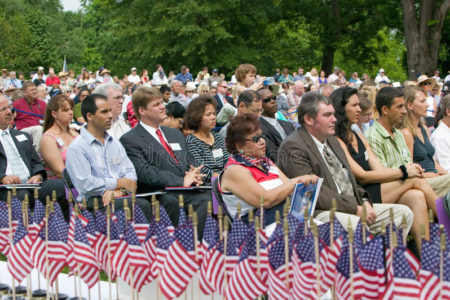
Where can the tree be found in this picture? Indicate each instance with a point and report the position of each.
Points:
(422, 25)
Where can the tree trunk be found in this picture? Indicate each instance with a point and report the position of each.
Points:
(423, 35)
(328, 59)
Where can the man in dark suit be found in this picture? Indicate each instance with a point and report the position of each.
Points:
(159, 156)
(221, 97)
(313, 149)
(274, 130)
(19, 162)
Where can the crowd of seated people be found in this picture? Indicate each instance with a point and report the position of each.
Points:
(120, 136)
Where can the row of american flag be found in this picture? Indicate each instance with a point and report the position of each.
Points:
(294, 262)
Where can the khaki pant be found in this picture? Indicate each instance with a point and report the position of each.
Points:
(382, 211)
(440, 184)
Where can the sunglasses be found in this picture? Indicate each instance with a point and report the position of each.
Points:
(426, 83)
(257, 138)
(267, 100)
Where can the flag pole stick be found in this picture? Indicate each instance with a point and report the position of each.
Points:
(258, 250)
(13, 287)
(195, 223)
(391, 227)
(99, 269)
(157, 219)
(76, 210)
(108, 243)
(332, 217)
(261, 211)
(191, 283)
(36, 198)
(52, 206)
(317, 255)
(350, 249)
(286, 247)
(71, 202)
(305, 220)
(128, 218)
(363, 223)
(441, 264)
(404, 231)
(113, 209)
(47, 275)
(26, 201)
(225, 244)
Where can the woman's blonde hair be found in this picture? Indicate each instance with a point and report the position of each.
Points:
(410, 94)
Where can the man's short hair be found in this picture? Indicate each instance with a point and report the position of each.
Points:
(164, 88)
(103, 88)
(89, 105)
(385, 97)
(310, 106)
(26, 84)
(445, 104)
(247, 97)
(175, 81)
(175, 109)
(142, 97)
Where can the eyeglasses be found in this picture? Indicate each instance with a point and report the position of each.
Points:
(189, 92)
(223, 86)
(267, 100)
(257, 138)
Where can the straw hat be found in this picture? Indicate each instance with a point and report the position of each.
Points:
(424, 78)
(105, 71)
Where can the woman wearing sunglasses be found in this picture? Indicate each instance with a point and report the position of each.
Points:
(250, 175)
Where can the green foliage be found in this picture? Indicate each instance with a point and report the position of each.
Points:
(361, 35)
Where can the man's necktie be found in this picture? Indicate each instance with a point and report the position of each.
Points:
(165, 145)
(337, 170)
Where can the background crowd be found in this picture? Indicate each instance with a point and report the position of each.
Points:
(146, 131)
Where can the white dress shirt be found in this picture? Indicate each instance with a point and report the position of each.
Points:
(440, 139)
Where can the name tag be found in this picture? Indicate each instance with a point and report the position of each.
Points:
(273, 170)
(116, 160)
(60, 142)
(405, 153)
(175, 146)
(217, 153)
(366, 155)
(21, 138)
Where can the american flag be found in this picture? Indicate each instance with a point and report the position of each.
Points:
(180, 265)
(404, 284)
(244, 282)
(239, 232)
(4, 229)
(85, 261)
(100, 244)
(57, 247)
(138, 261)
(214, 271)
(16, 210)
(278, 287)
(371, 264)
(19, 262)
(446, 273)
(164, 219)
(181, 217)
(343, 280)
(140, 223)
(38, 219)
(163, 242)
(304, 266)
(209, 241)
(120, 222)
(70, 239)
(430, 259)
(149, 243)
(90, 227)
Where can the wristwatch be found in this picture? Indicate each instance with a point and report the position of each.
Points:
(124, 192)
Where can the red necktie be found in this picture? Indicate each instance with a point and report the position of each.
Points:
(164, 144)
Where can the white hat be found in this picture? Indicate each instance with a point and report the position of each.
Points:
(133, 69)
(396, 84)
(190, 86)
(381, 70)
(424, 78)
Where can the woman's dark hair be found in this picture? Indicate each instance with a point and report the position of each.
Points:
(54, 104)
(195, 110)
(339, 99)
(175, 109)
(84, 89)
(238, 128)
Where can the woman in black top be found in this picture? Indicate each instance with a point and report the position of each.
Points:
(384, 185)
(205, 147)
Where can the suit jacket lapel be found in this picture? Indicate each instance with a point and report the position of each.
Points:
(323, 165)
(270, 128)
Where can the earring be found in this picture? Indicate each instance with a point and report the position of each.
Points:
(241, 151)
